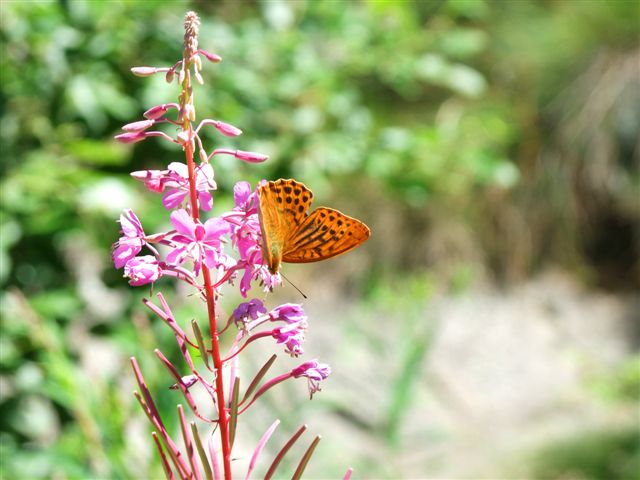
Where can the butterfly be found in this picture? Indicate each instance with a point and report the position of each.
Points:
(290, 234)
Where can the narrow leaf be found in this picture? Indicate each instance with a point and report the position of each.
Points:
(258, 378)
(203, 456)
(305, 459)
(203, 351)
(214, 458)
(165, 464)
(188, 444)
(265, 438)
(233, 412)
(149, 408)
(283, 451)
(175, 454)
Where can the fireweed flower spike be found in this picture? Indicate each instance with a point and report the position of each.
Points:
(209, 255)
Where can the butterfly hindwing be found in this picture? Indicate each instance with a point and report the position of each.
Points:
(325, 233)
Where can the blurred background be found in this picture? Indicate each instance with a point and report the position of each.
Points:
(488, 329)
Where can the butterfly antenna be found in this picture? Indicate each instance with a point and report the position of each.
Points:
(293, 285)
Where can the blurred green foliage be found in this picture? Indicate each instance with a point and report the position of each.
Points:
(591, 456)
(433, 112)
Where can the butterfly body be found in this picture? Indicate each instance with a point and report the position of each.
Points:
(290, 234)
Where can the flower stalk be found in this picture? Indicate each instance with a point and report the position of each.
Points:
(193, 252)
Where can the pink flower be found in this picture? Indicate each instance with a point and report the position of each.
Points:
(142, 270)
(292, 336)
(246, 237)
(251, 309)
(314, 371)
(200, 242)
(154, 180)
(178, 185)
(176, 180)
(132, 240)
(288, 312)
(245, 198)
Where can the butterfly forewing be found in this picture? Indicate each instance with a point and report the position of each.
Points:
(324, 234)
(283, 206)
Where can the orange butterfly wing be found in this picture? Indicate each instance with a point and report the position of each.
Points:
(283, 206)
(290, 235)
(324, 234)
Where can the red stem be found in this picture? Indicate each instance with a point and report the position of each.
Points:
(223, 417)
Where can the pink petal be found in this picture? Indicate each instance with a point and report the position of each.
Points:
(214, 228)
(183, 223)
(173, 198)
(123, 253)
(206, 201)
(177, 256)
(130, 224)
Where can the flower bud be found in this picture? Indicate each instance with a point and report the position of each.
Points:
(251, 157)
(143, 71)
(212, 57)
(183, 137)
(227, 129)
(131, 137)
(138, 126)
(197, 63)
(159, 110)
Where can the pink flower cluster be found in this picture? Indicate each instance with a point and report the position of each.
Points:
(194, 241)
(212, 243)
(207, 254)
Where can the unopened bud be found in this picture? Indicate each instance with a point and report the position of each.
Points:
(212, 57)
(197, 63)
(131, 137)
(183, 137)
(159, 110)
(138, 126)
(251, 157)
(189, 112)
(227, 129)
(143, 71)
